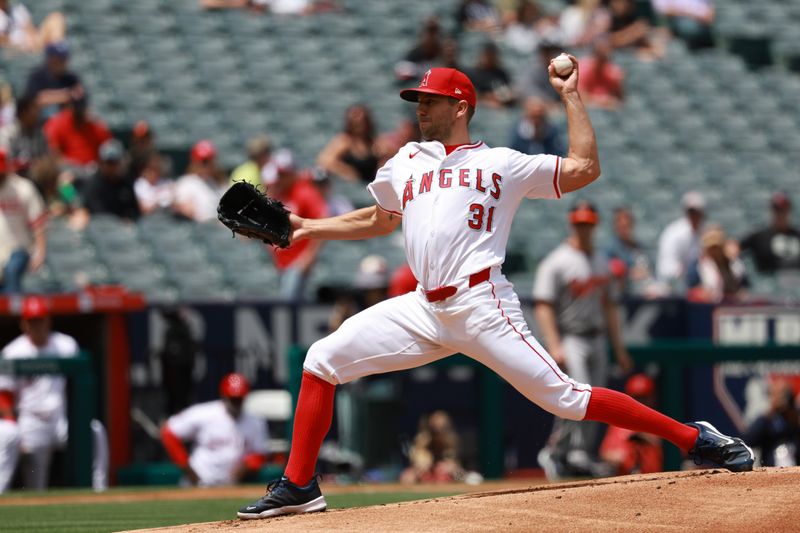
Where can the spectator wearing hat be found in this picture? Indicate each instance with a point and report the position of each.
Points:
(259, 150)
(19, 34)
(629, 452)
(719, 275)
(776, 247)
(52, 83)
(108, 191)
(23, 139)
(535, 133)
(153, 191)
(600, 84)
(338, 204)
(427, 52)
(227, 442)
(304, 200)
(23, 243)
(141, 147)
(41, 400)
(75, 135)
(679, 243)
(491, 80)
(197, 192)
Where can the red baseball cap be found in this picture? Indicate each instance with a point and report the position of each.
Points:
(443, 81)
(4, 162)
(234, 386)
(203, 150)
(34, 307)
(640, 385)
(584, 213)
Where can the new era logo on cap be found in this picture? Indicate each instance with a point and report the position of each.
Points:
(446, 82)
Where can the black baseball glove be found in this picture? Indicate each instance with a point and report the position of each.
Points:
(249, 212)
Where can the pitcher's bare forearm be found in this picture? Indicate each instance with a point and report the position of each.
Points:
(582, 165)
(359, 224)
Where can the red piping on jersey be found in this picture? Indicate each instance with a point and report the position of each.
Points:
(388, 210)
(521, 336)
(555, 178)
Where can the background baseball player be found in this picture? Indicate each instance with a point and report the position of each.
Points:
(42, 399)
(226, 441)
(456, 200)
(574, 309)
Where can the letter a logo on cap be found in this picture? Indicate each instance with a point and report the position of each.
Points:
(424, 82)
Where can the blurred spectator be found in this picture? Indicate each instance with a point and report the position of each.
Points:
(777, 432)
(276, 7)
(352, 154)
(41, 399)
(142, 145)
(718, 276)
(338, 204)
(679, 243)
(526, 27)
(177, 356)
(75, 135)
(532, 79)
(107, 190)
(18, 33)
(259, 149)
(304, 200)
(690, 20)
(60, 198)
(583, 22)
(402, 281)
(636, 268)
(492, 82)
(52, 83)
(450, 55)
(427, 52)
(600, 83)
(7, 105)
(226, 441)
(197, 193)
(369, 288)
(9, 439)
(434, 454)
(153, 191)
(776, 247)
(477, 15)
(630, 28)
(535, 134)
(23, 140)
(387, 144)
(634, 453)
(23, 243)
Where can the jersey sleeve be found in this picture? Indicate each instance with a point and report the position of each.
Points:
(546, 281)
(186, 424)
(382, 190)
(537, 175)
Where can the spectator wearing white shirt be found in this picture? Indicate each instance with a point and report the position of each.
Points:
(197, 193)
(679, 243)
(689, 20)
(153, 191)
(18, 32)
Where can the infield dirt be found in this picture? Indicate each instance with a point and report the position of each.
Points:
(700, 500)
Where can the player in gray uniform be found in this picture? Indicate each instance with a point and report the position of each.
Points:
(574, 309)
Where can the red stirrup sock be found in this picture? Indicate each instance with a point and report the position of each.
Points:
(312, 420)
(617, 409)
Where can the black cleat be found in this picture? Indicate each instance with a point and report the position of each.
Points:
(284, 497)
(717, 449)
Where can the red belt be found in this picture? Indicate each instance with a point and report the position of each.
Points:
(439, 294)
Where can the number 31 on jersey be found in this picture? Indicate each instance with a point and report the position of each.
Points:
(476, 220)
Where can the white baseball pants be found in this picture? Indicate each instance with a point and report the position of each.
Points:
(484, 322)
(9, 452)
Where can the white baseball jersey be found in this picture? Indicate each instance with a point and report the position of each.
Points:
(41, 400)
(457, 209)
(220, 441)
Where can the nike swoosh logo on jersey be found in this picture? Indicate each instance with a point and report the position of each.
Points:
(411, 156)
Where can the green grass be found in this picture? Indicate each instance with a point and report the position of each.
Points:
(104, 517)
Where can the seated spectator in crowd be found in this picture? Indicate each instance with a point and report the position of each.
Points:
(776, 247)
(526, 27)
(60, 197)
(108, 191)
(636, 265)
(8, 107)
(583, 22)
(352, 154)
(153, 191)
(690, 20)
(23, 140)
(18, 33)
(492, 82)
(338, 204)
(75, 135)
(23, 243)
(600, 83)
(402, 281)
(679, 243)
(532, 79)
(52, 83)
(259, 150)
(142, 145)
(777, 432)
(304, 200)
(450, 55)
(434, 454)
(227, 442)
(535, 134)
(718, 275)
(197, 193)
(634, 453)
(630, 28)
(427, 53)
(41, 399)
(477, 15)
(276, 7)
(387, 144)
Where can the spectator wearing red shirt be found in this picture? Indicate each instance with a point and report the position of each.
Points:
(600, 83)
(300, 197)
(75, 135)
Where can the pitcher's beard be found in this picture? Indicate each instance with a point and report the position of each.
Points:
(434, 132)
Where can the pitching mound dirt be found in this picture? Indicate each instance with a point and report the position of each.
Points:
(703, 500)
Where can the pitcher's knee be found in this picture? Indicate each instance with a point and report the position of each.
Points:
(318, 362)
(571, 404)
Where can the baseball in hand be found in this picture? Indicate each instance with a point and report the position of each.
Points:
(562, 65)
